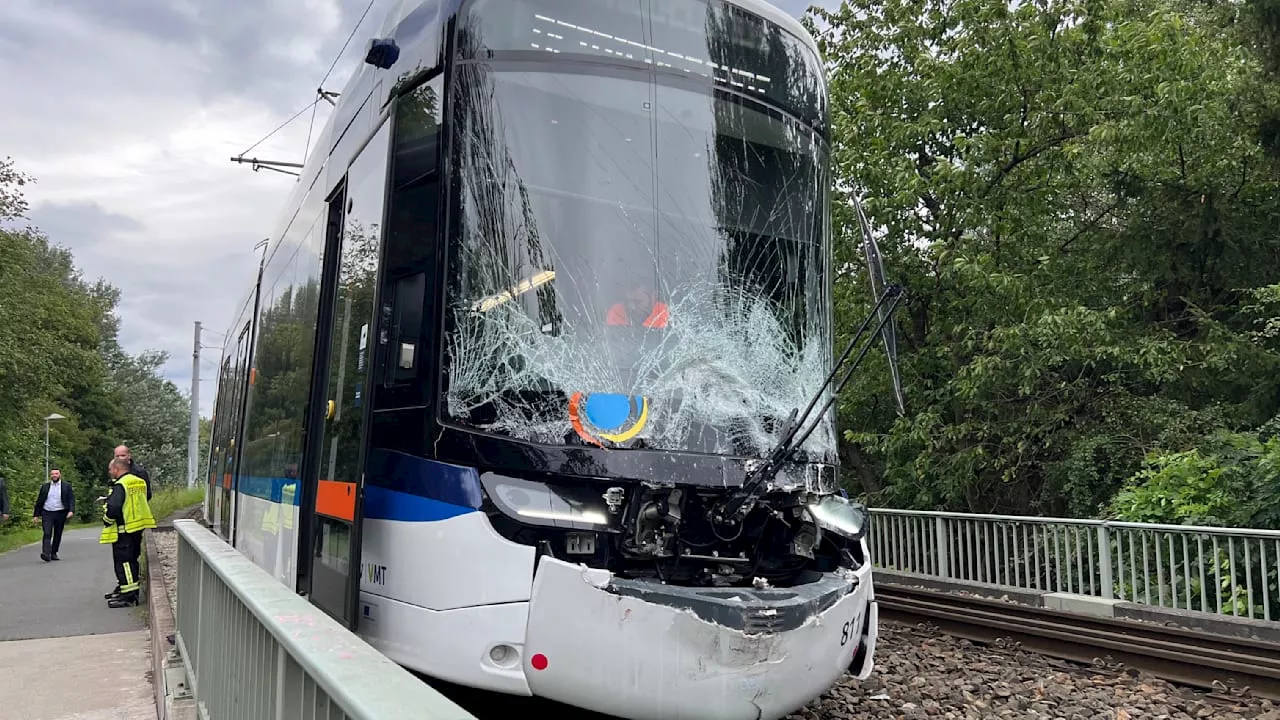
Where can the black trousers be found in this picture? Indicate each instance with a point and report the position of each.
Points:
(124, 556)
(53, 522)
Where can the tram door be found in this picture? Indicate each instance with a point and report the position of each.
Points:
(340, 387)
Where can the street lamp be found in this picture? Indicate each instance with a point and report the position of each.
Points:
(54, 416)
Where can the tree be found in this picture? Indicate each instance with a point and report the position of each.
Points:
(1076, 199)
(49, 358)
(59, 352)
(13, 205)
(159, 416)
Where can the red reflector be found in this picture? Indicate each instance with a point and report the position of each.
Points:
(538, 661)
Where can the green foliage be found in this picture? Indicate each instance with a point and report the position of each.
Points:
(160, 415)
(171, 500)
(1230, 480)
(59, 352)
(49, 347)
(12, 204)
(1075, 196)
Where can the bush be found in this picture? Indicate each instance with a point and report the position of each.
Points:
(167, 501)
(1230, 480)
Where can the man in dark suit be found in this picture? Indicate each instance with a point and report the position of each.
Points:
(124, 453)
(4, 501)
(55, 504)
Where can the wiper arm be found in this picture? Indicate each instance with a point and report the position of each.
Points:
(734, 507)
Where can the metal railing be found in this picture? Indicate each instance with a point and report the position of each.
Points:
(1225, 571)
(254, 649)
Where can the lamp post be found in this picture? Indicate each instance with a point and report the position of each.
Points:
(54, 416)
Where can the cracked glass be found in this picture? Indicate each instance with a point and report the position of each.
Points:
(639, 253)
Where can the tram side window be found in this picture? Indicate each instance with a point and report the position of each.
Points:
(241, 378)
(412, 242)
(221, 419)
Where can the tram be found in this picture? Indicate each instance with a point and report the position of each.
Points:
(533, 389)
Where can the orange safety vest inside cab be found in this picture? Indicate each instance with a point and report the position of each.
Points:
(657, 317)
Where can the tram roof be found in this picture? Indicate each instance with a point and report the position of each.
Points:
(764, 9)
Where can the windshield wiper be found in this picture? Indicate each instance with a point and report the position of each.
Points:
(737, 504)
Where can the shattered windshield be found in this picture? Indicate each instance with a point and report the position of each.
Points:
(640, 253)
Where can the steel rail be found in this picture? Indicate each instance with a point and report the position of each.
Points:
(1189, 657)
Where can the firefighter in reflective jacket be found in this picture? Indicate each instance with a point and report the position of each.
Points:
(124, 516)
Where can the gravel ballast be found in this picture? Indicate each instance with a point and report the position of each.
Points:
(166, 545)
(921, 674)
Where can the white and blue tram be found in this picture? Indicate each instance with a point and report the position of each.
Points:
(519, 393)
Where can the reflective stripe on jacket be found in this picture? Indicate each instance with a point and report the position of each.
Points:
(280, 514)
(136, 510)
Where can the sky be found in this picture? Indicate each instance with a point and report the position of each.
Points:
(126, 113)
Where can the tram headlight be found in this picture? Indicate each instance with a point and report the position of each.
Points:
(841, 516)
(537, 503)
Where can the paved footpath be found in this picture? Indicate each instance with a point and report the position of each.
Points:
(54, 623)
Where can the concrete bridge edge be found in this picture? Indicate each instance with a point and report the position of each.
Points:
(168, 672)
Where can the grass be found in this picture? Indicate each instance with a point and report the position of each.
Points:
(170, 500)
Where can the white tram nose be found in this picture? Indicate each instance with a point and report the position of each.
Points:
(652, 652)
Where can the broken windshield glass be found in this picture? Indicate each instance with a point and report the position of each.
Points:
(639, 259)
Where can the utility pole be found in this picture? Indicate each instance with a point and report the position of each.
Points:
(193, 433)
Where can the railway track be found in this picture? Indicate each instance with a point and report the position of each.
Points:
(1189, 657)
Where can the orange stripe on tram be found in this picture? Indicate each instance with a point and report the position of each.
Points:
(336, 499)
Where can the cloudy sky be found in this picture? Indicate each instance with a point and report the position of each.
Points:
(126, 112)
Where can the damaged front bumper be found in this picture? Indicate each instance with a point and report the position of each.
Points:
(647, 651)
